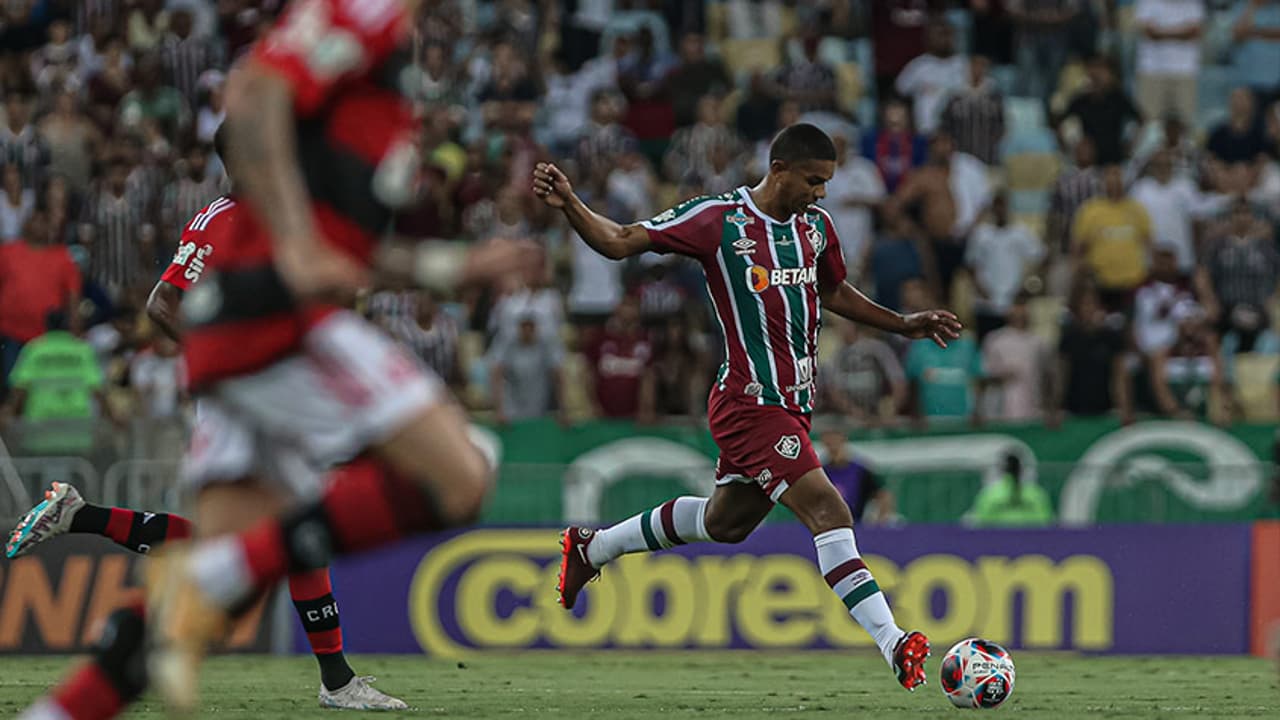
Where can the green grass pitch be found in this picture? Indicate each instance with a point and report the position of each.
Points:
(667, 685)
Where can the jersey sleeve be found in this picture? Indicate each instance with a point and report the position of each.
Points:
(689, 228)
(318, 44)
(831, 267)
(200, 239)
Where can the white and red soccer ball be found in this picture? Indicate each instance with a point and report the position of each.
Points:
(977, 673)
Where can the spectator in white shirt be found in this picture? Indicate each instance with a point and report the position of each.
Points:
(856, 190)
(1174, 203)
(1018, 361)
(930, 79)
(1168, 58)
(1161, 305)
(998, 256)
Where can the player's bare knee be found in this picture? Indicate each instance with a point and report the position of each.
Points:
(727, 530)
(828, 516)
(467, 488)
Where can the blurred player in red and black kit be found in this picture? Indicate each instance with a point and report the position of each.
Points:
(289, 381)
(63, 510)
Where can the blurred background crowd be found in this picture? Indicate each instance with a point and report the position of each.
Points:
(1092, 185)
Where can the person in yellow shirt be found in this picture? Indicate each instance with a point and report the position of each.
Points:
(1111, 238)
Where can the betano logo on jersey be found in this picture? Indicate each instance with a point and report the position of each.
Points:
(760, 279)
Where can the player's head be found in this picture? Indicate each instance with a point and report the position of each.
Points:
(802, 160)
(221, 147)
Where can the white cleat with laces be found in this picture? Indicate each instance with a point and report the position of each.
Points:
(359, 695)
(51, 517)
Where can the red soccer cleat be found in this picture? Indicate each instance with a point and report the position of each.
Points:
(575, 569)
(908, 659)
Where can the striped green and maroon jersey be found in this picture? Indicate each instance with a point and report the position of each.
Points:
(764, 276)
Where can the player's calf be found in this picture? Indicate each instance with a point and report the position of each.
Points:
(113, 678)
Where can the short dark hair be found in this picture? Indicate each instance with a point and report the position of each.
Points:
(220, 142)
(802, 142)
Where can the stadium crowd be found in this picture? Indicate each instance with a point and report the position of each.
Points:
(1093, 186)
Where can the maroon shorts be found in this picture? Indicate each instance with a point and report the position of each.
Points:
(759, 444)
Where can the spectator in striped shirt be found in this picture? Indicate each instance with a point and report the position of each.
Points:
(1075, 186)
(605, 138)
(194, 188)
(187, 56)
(20, 144)
(810, 82)
(1239, 273)
(152, 100)
(116, 231)
(975, 115)
(693, 148)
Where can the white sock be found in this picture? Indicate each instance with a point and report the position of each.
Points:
(45, 709)
(221, 569)
(675, 522)
(849, 577)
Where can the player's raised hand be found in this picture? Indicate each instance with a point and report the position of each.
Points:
(551, 185)
(936, 325)
(500, 258)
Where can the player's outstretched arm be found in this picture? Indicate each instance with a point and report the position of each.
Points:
(847, 301)
(263, 148)
(603, 235)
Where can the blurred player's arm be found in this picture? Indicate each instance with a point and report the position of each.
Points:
(263, 147)
(163, 307)
(603, 235)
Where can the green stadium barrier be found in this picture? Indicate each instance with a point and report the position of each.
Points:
(1095, 470)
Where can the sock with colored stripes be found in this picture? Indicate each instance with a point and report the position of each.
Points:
(365, 506)
(138, 531)
(849, 577)
(312, 595)
(675, 522)
(101, 688)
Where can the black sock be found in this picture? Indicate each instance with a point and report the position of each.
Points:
(335, 672)
(138, 531)
(91, 519)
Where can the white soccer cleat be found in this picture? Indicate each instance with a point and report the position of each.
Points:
(51, 517)
(359, 695)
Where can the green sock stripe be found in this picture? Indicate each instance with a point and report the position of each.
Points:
(646, 527)
(860, 593)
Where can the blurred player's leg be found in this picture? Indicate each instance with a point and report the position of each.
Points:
(818, 505)
(101, 688)
(428, 477)
(64, 511)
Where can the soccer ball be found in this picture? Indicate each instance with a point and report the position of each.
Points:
(977, 673)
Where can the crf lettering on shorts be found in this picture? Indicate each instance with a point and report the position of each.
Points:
(485, 590)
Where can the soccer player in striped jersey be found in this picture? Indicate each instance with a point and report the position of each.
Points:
(772, 261)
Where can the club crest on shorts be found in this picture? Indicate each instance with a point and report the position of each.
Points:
(788, 446)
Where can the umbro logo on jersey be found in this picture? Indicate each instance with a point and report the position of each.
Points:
(754, 389)
(760, 279)
(744, 246)
(739, 218)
